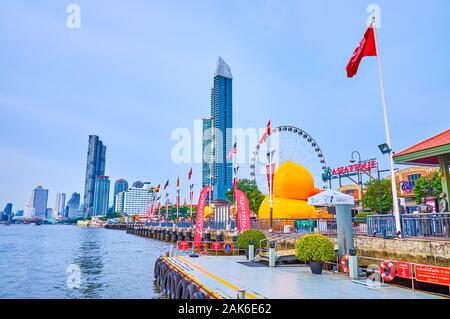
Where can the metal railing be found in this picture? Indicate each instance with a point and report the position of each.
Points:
(426, 225)
(381, 226)
(431, 225)
(306, 226)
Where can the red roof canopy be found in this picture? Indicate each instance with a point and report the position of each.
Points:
(435, 141)
(426, 152)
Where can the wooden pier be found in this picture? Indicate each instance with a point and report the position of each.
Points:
(226, 277)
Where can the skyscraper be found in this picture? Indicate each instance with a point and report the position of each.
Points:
(7, 212)
(206, 148)
(221, 127)
(101, 196)
(119, 186)
(95, 166)
(60, 204)
(38, 201)
(73, 205)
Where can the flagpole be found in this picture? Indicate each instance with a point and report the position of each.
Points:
(191, 194)
(388, 136)
(270, 182)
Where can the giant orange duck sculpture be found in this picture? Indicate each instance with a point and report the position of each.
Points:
(292, 185)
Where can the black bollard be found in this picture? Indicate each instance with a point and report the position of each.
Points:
(188, 235)
(174, 236)
(167, 235)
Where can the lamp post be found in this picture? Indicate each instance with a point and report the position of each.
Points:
(386, 149)
(352, 160)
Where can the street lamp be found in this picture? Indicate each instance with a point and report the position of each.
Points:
(386, 149)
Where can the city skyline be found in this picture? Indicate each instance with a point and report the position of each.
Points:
(286, 62)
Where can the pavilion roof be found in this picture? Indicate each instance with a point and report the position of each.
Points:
(426, 152)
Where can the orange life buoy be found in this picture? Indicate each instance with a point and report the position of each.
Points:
(202, 249)
(228, 248)
(344, 264)
(387, 270)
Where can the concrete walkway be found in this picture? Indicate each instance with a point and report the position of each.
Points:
(225, 275)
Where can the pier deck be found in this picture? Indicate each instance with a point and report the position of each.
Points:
(225, 275)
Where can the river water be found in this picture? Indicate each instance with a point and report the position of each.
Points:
(62, 261)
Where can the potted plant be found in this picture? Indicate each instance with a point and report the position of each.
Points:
(316, 249)
(245, 237)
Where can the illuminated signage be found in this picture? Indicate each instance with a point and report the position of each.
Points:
(366, 166)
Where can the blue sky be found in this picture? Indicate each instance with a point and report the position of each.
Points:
(136, 70)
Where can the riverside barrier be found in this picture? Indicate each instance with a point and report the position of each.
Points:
(174, 234)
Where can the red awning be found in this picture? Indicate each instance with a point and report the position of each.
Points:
(435, 141)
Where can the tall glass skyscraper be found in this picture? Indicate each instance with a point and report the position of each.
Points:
(221, 128)
(119, 186)
(206, 148)
(38, 201)
(101, 196)
(95, 166)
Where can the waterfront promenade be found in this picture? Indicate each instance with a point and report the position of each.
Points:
(224, 276)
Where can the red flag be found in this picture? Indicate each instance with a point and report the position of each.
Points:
(190, 174)
(167, 209)
(270, 170)
(178, 182)
(267, 132)
(367, 47)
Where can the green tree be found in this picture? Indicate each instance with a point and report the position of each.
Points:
(254, 195)
(371, 198)
(427, 186)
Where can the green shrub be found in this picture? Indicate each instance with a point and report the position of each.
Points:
(252, 234)
(362, 216)
(315, 247)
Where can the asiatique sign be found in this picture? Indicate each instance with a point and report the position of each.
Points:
(365, 166)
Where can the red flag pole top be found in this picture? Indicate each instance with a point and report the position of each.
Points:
(367, 47)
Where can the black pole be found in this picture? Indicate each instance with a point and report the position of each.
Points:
(379, 189)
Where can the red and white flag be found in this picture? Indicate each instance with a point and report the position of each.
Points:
(232, 151)
(267, 132)
(270, 170)
(367, 47)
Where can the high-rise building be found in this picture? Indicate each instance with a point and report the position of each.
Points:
(60, 204)
(118, 203)
(101, 196)
(95, 166)
(136, 200)
(7, 212)
(206, 148)
(73, 205)
(38, 201)
(119, 186)
(221, 129)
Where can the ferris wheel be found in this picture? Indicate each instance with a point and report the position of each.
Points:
(289, 143)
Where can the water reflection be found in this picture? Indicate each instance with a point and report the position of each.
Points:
(113, 264)
(89, 258)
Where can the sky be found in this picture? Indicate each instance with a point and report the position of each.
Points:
(135, 71)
